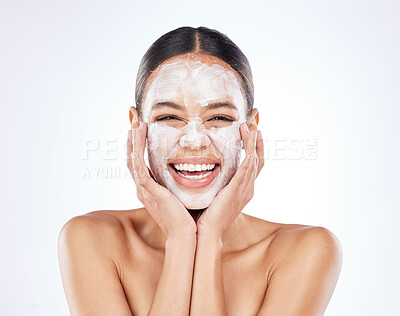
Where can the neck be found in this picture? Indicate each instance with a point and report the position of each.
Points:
(196, 213)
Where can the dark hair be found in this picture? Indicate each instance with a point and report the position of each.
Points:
(200, 40)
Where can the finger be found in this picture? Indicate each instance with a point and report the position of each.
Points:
(142, 172)
(244, 133)
(248, 139)
(240, 174)
(247, 185)
(151, 174)
(251, 142)
(260, 152)
(139, 166)
(251, 173)
(128, 152)
(142, 176)
(135, 124)
(143, 134)
(251, 164)
(149, 200)
(132, 158)
(129, 147)
(139, 142)
(143, 128)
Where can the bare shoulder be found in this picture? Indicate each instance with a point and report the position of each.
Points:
(96, 222)
(104, 220)
(286, 237)
(295, 239)
(88, 246)
(108, 229)
(287, 243)
(305, 265)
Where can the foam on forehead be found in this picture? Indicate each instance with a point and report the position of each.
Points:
(195, 81)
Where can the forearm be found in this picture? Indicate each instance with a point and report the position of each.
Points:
(173, 291)
(208, 289)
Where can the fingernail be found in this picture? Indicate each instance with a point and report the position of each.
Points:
(141, 125)
(246, 127)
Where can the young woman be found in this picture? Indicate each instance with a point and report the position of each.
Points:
(191, 250)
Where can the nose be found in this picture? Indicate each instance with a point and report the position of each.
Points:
(194, 138)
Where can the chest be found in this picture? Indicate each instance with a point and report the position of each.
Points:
(244, 277)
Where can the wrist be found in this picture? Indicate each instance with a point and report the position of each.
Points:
(179, 240)
(180, 252)
(211, 245)
(209, 236)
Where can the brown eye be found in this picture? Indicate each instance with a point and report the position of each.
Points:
(166, 118)
(221, 118)
(170, 120)
(219, 121)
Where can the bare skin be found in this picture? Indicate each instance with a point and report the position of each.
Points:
(165, 260)
(254, 252)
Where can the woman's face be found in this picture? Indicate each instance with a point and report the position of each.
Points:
(194, 106)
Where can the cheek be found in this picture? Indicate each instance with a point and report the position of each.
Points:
(157, 147)
(228, 143)
(161, 144)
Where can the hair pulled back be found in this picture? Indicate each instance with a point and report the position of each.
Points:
(200, 40)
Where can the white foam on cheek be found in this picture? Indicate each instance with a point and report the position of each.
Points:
(228, 143)
(163, 144)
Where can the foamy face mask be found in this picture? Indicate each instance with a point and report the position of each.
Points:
(192, 83)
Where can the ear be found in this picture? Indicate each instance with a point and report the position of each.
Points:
(133, 117)
(252, 122)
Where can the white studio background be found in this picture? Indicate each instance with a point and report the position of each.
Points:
(326, 77)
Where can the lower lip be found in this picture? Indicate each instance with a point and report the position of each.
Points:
(193, 183)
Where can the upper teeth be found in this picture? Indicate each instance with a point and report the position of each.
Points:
(194, 167)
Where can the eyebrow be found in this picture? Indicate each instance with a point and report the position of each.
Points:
(168, 104)
(217, 105)
(211, 106)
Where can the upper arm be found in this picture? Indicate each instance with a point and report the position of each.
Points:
(304, 277)
(89, 275)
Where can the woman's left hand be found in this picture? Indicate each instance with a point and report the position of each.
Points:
(231, 200)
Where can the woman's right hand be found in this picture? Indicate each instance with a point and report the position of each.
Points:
(169, 213)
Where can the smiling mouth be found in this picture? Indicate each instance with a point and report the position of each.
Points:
(194, 174)
(194, 171)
